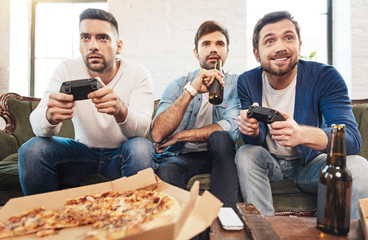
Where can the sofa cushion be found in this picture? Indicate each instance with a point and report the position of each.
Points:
(361, 116)
(288, 198)
(295, 203)
(284, 187)
(8, 145)
(21, 110)
(11, 158)
(204, 182)
(10, 186)
(9, 177)
(286, 195)
(67, 128)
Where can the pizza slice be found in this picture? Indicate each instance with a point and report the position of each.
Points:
(138, 212)
(34, 220)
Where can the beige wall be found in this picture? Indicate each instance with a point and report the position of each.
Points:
(4, 45)
(359, 39)
(160, 34)
(152, 30)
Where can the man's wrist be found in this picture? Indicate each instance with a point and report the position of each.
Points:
(49, 118)
(122, 111)
(191, 89)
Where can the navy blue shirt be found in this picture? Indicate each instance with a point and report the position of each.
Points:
(321, 99)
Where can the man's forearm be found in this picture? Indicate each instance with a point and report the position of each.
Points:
(314, 138)
(198, 134)
(168, 121)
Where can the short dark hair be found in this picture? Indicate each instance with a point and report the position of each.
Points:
(272, 17)
(95, 13)
(210, 27)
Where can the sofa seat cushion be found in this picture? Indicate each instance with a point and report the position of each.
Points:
(204, 182)
(295, 203)
(284, 187)
(289, 199)
(11, 158)
(9, 176)
(361, 116)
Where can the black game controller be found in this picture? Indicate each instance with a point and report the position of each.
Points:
(80, 88)
(265, 115)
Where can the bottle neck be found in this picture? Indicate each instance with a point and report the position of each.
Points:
(336, 154)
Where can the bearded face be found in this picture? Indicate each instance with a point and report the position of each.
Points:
(211, 47)
(279, 48)
(96, 62)
(280, 64)
(98, 44)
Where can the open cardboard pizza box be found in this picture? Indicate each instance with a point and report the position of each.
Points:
(197, 212)
(363, 215)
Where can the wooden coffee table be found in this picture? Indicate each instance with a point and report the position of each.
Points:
(285, 227)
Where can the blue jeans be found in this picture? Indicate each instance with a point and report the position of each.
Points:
(257, 168)
(218, 160)
(49, 164)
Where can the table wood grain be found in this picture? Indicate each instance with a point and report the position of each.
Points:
(286, 228)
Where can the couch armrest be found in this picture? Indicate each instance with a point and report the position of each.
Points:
(8, 145)
(360, 110)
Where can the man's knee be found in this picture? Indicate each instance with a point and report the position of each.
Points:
(221, 142)
(171, 173)
(140, 152)
(220, 136)
(33, 148)
(139, 146)
(358, 166)
(168, 170)
(248, 156)
(356, 161)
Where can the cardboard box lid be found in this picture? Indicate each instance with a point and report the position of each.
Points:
(363, 215)
(197, 213)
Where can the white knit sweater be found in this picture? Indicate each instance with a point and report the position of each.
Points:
(132, 84)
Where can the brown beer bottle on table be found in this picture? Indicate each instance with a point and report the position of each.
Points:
(335, 187)
(216, 91)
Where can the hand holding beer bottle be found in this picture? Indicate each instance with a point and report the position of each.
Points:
(216, 91)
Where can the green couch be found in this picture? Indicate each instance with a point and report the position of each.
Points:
(15, 110)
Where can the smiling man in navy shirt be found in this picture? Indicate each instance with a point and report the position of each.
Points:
(311, 96)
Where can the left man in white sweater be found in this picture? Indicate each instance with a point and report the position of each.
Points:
(110, 126)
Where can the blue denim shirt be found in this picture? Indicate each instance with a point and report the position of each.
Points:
(224, 114)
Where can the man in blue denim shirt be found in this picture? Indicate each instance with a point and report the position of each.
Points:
(200, 136)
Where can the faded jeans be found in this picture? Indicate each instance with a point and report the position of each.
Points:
(256, 168)
(218, 160)
(49, 164)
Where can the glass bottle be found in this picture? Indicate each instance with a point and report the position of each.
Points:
(216, 90)
(335, 187)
